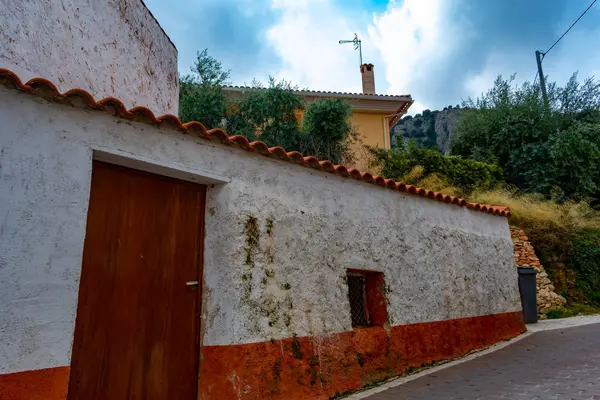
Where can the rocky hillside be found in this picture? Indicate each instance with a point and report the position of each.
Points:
(432, 128)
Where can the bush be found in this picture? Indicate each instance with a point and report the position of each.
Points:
(584, 258)
(463, 174)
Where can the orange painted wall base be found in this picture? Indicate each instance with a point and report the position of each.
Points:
(309, 368)
(41, 384)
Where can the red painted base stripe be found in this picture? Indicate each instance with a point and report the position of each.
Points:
(309, 368)
(41, 384)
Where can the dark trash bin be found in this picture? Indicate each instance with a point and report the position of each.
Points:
(527, 289)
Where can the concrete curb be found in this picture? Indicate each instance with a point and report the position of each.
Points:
(563, 323)
(545, 325)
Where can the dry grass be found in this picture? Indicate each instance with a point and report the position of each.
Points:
(530, 210)
(432, 182)
(549, 225)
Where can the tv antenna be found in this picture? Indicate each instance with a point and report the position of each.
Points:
(357, 45)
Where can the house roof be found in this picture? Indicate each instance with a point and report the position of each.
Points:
(321, 93)
(80, 98)
(395, 105)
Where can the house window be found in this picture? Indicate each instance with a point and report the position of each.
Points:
(358, 301)
(368, 306)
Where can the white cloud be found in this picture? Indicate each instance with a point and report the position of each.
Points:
(414, 38)
(436, 50)
(416, 108)
(306, 39)
(410, 43)
(405, 42)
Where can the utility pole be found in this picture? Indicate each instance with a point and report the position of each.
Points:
(538, 57)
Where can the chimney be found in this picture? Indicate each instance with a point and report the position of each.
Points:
(368, 78)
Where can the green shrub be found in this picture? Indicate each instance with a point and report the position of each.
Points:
(584, 258)
(464, 174)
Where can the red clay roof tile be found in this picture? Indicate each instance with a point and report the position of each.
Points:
(308, 92)
(79, 97)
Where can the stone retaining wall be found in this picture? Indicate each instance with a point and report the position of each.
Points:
(525, 256)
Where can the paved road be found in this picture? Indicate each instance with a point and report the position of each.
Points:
(558, 364)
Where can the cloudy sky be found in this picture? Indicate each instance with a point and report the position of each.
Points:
(439, 51)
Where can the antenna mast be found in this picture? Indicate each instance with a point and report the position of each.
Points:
(357, 45)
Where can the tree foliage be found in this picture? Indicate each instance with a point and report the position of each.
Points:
(539, 148)
(327, 130)
(200, 95)
(267, 113)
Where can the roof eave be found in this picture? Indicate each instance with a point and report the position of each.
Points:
(309, 93)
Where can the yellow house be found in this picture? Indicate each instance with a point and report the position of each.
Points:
(373, 115)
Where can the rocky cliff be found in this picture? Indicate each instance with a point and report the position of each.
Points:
(431, 128)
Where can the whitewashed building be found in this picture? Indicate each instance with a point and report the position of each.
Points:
(143, 258)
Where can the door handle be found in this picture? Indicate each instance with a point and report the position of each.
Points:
(192, 283)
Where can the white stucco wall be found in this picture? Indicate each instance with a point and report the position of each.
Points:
(107, 47)
(440, 261)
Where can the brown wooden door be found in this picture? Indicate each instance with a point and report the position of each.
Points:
(136, 333)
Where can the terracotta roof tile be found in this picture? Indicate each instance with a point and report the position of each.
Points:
(81, 98)
(308, 92)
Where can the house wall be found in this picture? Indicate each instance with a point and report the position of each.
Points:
(370, 127)
(107, 47)
(275, 314)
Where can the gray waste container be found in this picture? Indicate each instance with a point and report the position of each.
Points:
(527, 289)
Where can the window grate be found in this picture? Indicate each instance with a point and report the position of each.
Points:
(358, 306)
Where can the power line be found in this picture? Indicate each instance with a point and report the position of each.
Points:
(567, 31)
(539, 57)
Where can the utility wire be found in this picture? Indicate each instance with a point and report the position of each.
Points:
(567, 31)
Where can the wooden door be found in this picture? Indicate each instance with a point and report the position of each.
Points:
(136, 333)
